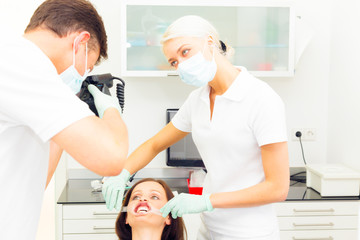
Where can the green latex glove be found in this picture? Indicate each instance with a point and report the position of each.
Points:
(103, 101)
(187, 203)
(113, 190)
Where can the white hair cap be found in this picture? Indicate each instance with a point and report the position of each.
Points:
(194, 26)
(189, 26)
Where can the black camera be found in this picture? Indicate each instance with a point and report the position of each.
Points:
(103, 82)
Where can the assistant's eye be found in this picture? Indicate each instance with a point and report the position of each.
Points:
(185, 52)
(173, 63)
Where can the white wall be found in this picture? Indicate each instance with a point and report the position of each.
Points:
(344, 84)
(306, 94)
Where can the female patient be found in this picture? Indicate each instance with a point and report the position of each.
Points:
(143, 219)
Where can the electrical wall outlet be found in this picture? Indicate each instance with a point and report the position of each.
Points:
(307, 134)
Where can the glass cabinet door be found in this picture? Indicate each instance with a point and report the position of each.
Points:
(261, 34)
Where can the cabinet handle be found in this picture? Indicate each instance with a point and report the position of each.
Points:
(314, 210)
(330, 224)
(328, 238)
(103, 228)
(173, 74)
(105, 213)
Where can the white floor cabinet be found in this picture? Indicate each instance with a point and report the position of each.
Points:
(85, 221)
(95, 222)
(318, 220)
(298, 220)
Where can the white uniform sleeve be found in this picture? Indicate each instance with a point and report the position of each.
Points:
(182, 119)
(32, 94)
(269, 123)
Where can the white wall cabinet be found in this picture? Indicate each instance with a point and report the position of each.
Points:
(318, 220)
(260, 31)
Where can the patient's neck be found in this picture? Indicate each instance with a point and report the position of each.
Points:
(146, 233)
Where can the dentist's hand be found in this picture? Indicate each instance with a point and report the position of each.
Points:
(103, 101)
(113, 190)
(187, 203)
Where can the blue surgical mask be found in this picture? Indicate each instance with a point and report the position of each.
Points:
(72, 77)
(197, 71)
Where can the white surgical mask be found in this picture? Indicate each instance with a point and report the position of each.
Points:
(197, 71)
(71, 76)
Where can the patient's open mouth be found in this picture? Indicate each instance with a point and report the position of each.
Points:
(142, 208)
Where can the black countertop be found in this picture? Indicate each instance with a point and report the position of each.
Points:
(299, 192)
(79, 191)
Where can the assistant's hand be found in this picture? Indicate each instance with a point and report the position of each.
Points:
(103, 101)
(113, 190)
(187, 203)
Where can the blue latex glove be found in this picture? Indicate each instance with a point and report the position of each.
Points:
(187, 203)
(103, 101)
(113, 190)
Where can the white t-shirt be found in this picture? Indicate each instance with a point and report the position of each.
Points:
(248, 115)
(35, 105)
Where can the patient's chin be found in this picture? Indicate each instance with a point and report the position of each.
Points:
(147, 220)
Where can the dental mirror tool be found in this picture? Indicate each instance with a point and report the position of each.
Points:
(152, 210)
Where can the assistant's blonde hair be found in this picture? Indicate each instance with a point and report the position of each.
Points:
(195, 26)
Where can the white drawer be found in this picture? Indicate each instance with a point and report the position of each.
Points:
(318, 222)
(319, 235)
(88, 211)
(317, 208)
(89, 226)
(90, 237)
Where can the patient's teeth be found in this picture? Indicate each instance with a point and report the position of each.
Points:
(143, 208)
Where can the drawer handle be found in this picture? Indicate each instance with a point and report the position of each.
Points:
(105, 213)
(313, 210)
(328, 238)
(103, 228)
(173, 74)
(330, 224)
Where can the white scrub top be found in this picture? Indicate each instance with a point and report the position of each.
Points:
(248, 115)
(35, 105)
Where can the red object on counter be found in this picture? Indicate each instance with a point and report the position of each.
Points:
(265, 67)
(194, 190)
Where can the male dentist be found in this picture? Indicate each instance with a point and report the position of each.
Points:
(40, 115)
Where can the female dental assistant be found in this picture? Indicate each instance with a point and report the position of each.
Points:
(238, 125)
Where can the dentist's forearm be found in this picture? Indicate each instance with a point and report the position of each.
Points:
(118, 128)
(55, 155)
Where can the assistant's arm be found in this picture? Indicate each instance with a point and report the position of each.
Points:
(274, 188)
(101, 145)
(149, 149)
(113, 188)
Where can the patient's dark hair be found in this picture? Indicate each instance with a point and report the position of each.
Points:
(175, 231)
(67, 16)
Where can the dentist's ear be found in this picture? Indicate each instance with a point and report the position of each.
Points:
(82, 38)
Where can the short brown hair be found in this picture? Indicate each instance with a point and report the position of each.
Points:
(68, 16)
(175, 231)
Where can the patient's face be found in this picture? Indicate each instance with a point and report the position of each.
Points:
(146, 198)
